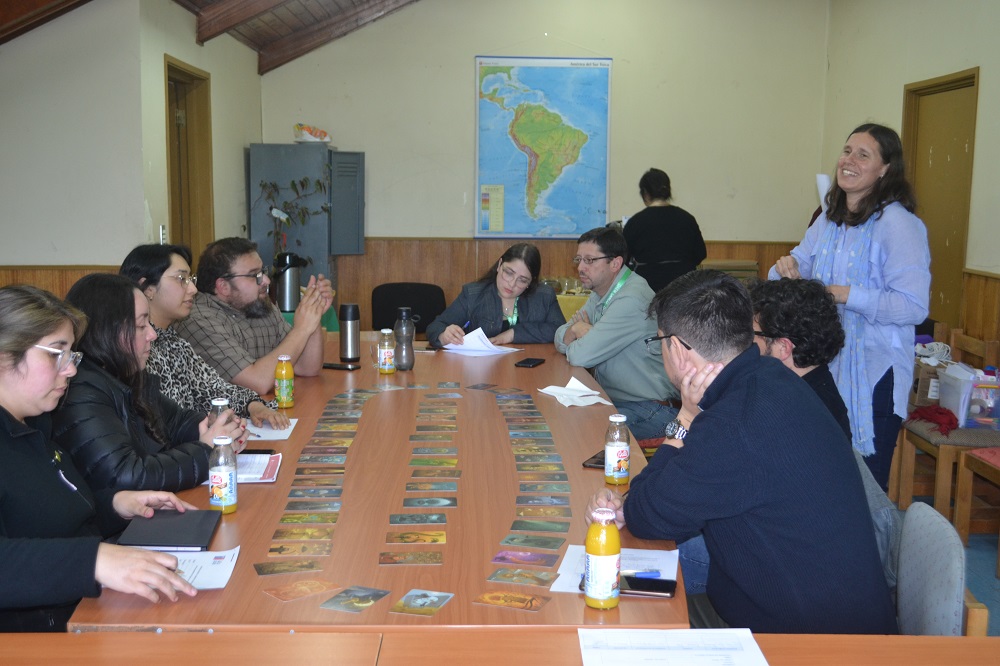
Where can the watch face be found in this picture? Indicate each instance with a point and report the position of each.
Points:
(672, 428)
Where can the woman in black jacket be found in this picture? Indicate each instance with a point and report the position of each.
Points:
(51, 524)
(121, 432)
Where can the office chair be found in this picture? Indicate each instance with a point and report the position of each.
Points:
(427, 301)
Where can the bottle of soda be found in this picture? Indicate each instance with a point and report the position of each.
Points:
(222, 476)
(284, 382)
(404, 331)
(616, 451)
(386, 352)
(603, 548)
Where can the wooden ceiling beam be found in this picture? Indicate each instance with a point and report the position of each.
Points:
(19, 16)
(288, 48)
(223, 16)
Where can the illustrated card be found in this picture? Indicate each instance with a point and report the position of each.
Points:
(540, 467)
(424, 437)
(313, 505)
(525, 558)
(310, 493)
(430, 502)
(515, 600)
(433, 462)
(543, 511)
(503, 394)
(438, 403)
(435, 450)
(530, 434)
(324, 451)
(538, 458)
(421, 602)
(336, 427)
(427, 411)
(278, 567)
(319, 481)
(436, 536)
(541, 500)
(436, 417)
(417, 386)
(443, 395)
(299, 589)
(328, 441)
(423, 486)
(354, 599)
(302, 534)
(480, 387)
(411, 557)
(523, 577)
(317, 471)
(535, 487)
(308, 518)
(417, 519)
(532, 541)
(306, 548)
(539, 526)
(543, 476)
(525, 420)
(309, 459)
(337, 419)
(532, 441)
(438, 427)
(342, 413)
(448, 385)
(440, 473)
(528, 426)
(539, 449)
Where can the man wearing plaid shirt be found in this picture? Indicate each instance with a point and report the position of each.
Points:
(238, 331)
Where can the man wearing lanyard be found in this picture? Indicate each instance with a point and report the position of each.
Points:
(607, 335)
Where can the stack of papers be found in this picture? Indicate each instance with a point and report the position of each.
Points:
(257, 468)
(477, 344)
(634, 559)
(575, 393)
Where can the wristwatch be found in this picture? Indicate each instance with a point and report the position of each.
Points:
(675, 430)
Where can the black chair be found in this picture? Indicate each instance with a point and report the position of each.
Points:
(427, 301)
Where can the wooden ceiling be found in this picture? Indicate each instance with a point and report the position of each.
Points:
(278, 30)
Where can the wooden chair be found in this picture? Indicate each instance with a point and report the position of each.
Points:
(945, 449)
(981, 462)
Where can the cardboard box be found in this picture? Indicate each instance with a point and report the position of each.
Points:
(925, 389)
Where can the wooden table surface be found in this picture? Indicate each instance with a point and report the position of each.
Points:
(377, 469)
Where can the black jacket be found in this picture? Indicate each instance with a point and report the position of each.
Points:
(109, 442)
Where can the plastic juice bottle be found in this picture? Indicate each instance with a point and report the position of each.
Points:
(616, 451)
(219, 405)
(222, 476)
(284, 382)
(386, 352)
(603, 548)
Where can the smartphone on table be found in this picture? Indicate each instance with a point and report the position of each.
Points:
(529, 363)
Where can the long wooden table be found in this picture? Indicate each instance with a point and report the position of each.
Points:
(377, 469)
(437, 646)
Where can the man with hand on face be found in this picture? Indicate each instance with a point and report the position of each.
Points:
(761, 468)
(607, 335)
(236, 329)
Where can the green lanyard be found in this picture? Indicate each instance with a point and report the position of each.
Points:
(512, 319)
(614, 290)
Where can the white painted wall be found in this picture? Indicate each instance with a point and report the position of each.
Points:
(876, 48)
(726, 96)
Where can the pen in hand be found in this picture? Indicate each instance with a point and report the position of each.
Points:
(465, 326)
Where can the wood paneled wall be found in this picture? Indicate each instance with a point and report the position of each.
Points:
(453, 262)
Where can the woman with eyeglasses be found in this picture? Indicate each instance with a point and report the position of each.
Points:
(163, 274)
(121, 431)
(507, 302)
(51, 524)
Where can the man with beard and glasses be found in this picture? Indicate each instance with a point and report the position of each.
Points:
(238, 331)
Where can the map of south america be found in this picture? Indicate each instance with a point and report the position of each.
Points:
(550, 144)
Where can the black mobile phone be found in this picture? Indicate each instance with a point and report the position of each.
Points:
(529, 363)
(595, 461)
(647, 587)
(259, 452)
(342, 366)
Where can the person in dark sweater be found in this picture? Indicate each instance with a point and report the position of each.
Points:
(760, 467)
(51, 524)
(664, 240)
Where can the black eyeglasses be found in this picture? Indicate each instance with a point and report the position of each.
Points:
(258, 276)
(653, 343)
(588, 260)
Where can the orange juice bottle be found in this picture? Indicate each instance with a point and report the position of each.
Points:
(616, 451)
(603, 548)
(284, 382)
(222, 476)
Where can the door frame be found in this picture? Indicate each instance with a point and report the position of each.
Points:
(195, 212)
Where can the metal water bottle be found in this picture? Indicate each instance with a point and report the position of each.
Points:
(350, 333)
(404, 332)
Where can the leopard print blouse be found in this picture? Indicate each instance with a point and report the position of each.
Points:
(190, 382)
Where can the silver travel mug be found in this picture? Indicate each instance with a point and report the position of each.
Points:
(350, 333)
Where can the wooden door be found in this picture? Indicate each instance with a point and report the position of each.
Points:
(939, 129)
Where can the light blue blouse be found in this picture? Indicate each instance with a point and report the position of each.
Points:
(896, 298)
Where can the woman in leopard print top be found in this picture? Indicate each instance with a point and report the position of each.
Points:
(163, 273)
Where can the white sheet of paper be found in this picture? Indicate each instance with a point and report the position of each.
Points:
(691, 647)
(257, 468)
(266, 433)
(207, 569)
(633, 559)
(477, 344)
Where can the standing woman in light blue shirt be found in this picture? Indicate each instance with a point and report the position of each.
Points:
(871, 251)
